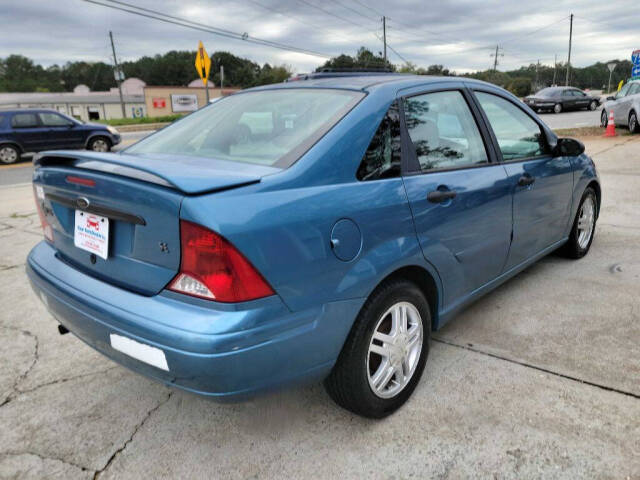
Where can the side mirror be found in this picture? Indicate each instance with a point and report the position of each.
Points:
(611, 97)
(568, 147)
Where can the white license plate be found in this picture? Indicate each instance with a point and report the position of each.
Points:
(91, 233)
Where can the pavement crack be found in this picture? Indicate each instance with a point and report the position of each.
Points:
(65, 380)
(15, 391)
(113, 457)
(43, 457)
(540, 369)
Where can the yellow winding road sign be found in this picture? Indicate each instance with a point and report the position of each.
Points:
(203, 64)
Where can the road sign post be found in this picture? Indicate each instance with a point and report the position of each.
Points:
(203, 67)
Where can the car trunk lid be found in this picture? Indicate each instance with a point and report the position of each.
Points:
(141, 199)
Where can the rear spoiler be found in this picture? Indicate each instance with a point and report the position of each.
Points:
(189, 175)
(54, 160)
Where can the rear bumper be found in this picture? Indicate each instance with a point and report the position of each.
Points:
(214, 349)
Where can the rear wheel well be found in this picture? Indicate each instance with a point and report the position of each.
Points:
(13, 144)
(423, 279)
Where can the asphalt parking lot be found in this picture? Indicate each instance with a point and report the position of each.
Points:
(539, 379)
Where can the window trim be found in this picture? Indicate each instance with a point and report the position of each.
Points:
(494, 139)
(410, 163)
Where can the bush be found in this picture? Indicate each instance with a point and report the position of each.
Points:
(520, 87)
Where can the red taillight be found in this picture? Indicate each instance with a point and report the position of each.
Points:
(87, 182)
(212, 268)
(38, 194)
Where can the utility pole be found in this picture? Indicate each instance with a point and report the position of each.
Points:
(495, 60)
(221, 79)
(555, 67)
(537, 66)
(566, 83)
(384, 39)
(117, 74)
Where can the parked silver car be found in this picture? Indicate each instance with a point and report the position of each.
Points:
(625, 106)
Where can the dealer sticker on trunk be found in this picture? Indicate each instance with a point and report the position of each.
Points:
(92, 233)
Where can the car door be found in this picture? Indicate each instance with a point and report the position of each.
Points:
(622, 105)
(568, 100)
(29, 132)
(582, 100)
(628, 101)
(541, 184)
(62, 132)
(459, 196)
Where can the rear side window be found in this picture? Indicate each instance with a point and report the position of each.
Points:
(518, 135)
(443, 131)
(23, 120)
(635, 88)
(382, 158)
(2, 117)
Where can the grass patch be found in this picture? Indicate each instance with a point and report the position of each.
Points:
(588, 132)
(141, 120)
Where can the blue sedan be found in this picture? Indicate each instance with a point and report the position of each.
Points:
(317, 229)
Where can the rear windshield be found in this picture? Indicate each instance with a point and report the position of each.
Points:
(269, 127)
(548, 92)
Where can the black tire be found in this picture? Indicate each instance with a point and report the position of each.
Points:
(633, 122)
(573, 249)
(9, 154)
(557, 108)
(96, 141)
(604, 119)
(593, 105)
(348, 382)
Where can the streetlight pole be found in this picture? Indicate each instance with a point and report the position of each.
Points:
(611, 66)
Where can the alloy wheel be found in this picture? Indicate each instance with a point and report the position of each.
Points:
(593, 106)
(8, 155)
(557, 108)
(586, 222)
(100, 145)
(604, 119)
(633, 123)
(394, 350)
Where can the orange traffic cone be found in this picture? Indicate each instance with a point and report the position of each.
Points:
(611, 126)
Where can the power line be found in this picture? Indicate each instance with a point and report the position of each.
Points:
(373, 19)
(534, 31)
(156, 15)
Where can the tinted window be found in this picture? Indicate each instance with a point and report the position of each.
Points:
(53, 120)
(269, 127)
(382, 158)
(578, 93)
(547, 92)
(24, 120)
(518, 135)
(2, 117)
(443, 131)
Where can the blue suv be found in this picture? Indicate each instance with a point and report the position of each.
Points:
(24, 131)
(317, 229)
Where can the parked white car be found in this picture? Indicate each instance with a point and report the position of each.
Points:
(625, 106)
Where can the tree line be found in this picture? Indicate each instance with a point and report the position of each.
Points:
(21, 74)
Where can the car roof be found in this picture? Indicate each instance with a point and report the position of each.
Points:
(364, 81)
(26, 110)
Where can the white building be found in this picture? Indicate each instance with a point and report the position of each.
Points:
(84, 104)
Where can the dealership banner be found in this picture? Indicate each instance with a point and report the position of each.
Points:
(184, 103)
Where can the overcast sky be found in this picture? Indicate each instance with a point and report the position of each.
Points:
(461, 35)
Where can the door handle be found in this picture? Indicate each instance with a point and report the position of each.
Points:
(439, 196)
(526, 180)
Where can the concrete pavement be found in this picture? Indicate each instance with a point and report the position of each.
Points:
(539, 379)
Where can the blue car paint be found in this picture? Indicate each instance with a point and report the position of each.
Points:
(283, 223)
